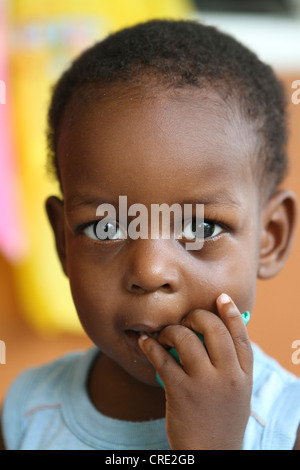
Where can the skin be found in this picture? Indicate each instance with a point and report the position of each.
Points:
(168, 147)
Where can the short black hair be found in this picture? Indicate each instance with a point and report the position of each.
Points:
(183, 53)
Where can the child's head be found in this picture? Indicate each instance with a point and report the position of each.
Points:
(174, 113)
(172, 55)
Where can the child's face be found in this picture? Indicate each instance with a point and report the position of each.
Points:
(175, 148)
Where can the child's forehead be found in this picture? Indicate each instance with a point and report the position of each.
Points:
(189, 106)
(129, 131)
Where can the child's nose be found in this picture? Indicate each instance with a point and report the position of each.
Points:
(153, 266)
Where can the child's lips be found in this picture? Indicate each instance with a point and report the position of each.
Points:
(145, 329)
(132, 336)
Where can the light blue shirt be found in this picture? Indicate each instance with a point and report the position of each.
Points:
(48, 407)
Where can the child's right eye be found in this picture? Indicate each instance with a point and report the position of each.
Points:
(101, 231)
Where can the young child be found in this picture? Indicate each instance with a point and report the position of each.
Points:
(166, 112)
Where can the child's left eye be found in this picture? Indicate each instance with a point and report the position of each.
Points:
(103, 232)
(201, 229)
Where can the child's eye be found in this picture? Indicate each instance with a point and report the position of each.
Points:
(104, 232)
(201, 229)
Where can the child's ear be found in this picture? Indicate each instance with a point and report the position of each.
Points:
(278, 226)
(55, 212)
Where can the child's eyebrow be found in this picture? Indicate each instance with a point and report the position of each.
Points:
(78, 201)
(221, 198)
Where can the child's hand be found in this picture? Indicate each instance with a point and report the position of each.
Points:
(208, 396)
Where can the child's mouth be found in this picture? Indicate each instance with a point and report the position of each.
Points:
(133, 335)
(137, 333)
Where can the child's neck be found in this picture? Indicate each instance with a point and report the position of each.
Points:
(122, 396)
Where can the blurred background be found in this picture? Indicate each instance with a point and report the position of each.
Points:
(37, 42)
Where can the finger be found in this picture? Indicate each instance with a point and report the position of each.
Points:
(218, 342)
(192, 354)
(169, 371)
(233, 320)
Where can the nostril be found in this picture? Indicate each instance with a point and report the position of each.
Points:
(166, 287)
(136, 288)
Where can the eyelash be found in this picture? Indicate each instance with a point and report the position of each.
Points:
(81, 228)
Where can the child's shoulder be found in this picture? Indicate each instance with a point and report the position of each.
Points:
(275, 405)
(266, 367)
(41, 388)
(45, 381)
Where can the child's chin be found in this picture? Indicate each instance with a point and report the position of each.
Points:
(144, 373)
(152, 381)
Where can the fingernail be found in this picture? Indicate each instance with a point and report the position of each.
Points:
(224, 299)
(143, 337)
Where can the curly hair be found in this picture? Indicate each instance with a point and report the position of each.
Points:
(180, 54)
